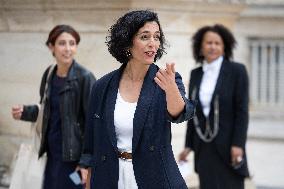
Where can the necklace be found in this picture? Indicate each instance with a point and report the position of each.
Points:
(209, 133)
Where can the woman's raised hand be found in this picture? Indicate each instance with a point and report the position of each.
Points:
(165, 78)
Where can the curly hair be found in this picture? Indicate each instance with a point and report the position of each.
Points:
(227, 38)
(121, 34)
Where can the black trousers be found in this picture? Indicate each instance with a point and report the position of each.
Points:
(213, 172)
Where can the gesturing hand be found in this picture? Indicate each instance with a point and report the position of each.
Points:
(167, 81)
(165, 78)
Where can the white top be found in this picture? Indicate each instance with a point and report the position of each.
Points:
(208, 83)
(123, 122)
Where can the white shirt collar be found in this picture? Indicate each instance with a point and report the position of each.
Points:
(213, 66)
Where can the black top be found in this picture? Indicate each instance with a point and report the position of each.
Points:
(54, 135)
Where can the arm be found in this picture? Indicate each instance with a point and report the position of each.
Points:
(30, 113)
(166, 80)
(86, 162)
(25, 112)
(87, 84)
(241, 108)
(89, 80)
(86, 157)
(241, 117)
(178, 106)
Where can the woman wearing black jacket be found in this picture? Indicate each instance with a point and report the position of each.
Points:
(65, 108)
(217, 134)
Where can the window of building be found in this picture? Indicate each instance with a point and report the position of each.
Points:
(267, 72)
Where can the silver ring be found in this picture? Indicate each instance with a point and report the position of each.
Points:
(239, 159)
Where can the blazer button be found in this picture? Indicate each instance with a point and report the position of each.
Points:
(97, 116)
(103, 158)
(152, 148)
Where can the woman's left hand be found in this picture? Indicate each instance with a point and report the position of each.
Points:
(165, 78)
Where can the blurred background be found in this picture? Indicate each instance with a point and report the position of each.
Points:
(258, 26)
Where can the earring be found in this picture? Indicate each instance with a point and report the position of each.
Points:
(128, 53)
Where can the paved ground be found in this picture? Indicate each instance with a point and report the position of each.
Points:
(266, 165)
(265, 150)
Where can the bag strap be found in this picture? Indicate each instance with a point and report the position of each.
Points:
(46, 82)
(37, 126)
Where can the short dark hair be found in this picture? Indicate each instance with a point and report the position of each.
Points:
(227, 37)
(59, 29)
(121, 34)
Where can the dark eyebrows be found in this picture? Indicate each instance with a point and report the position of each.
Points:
(147, 32)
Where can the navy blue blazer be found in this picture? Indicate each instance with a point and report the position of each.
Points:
(233, 93)
(153, 160)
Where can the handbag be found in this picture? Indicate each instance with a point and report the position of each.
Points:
(29, 168)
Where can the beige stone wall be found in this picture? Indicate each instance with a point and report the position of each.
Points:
(264, 22)
(24, 26)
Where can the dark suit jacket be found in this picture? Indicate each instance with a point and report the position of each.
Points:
(153, 160)
(232, 90)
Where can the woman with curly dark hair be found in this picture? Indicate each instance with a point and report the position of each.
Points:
(128, 133)
(217, 133)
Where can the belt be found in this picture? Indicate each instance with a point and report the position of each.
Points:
(125, 156)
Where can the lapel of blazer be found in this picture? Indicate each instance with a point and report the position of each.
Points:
(197, 89)
(145, 98)
(110, 101)
(222, 76)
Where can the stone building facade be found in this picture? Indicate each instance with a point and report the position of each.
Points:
(24, 25)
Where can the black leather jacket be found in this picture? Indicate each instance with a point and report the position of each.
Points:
(73, 106)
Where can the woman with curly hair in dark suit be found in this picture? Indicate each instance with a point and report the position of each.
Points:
(217, 133)
(128, 139)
